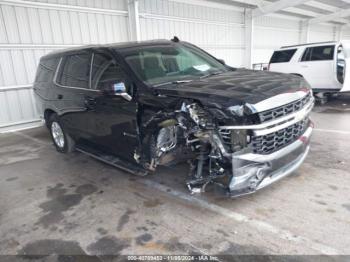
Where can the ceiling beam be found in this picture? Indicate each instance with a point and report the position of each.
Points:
(331, 17)
(292, 6)
(275, 7)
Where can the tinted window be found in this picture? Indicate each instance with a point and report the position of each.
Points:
(318, 53)
(161, 64)
(282, 56)
(105, 72)
(46, 70)
(75, 71)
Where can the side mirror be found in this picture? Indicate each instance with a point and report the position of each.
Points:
(118, 89)
(222, 61)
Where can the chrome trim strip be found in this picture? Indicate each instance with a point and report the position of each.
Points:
(279, 100)
(285, 120)
(296, 119)
(57, 69)
(90, 76)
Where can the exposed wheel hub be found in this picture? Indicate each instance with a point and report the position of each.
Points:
(57, 134)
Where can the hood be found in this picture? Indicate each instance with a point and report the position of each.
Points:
(236, 87)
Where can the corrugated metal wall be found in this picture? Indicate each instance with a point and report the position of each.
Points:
(271, 33)
(345, 34)
(30, 29)
(321, 33)
(219, 31)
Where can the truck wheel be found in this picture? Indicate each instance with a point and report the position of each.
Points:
(63, 142)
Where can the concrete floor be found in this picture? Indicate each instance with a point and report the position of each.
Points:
(73, 204)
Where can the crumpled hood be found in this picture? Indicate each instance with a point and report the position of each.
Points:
(236, 87)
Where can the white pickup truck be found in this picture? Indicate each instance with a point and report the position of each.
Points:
(323, 65)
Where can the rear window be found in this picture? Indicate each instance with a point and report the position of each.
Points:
(46, 70)
(282, 56)
(75, 71)
(318, 53)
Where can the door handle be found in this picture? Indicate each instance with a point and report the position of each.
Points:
(90, 102)
(305, 66)
(59, 96)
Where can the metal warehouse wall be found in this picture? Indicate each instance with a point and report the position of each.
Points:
(320, 33)
(30, 29)
(271, 33)
(219, 31)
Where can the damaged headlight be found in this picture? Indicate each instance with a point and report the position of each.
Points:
(235, 140)
(237, 110)
(241, 110)
(239, 139)
(198, 115)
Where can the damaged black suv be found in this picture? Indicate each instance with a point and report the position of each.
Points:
(140, 105)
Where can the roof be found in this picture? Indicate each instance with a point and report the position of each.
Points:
(117, 46)
(309, 44)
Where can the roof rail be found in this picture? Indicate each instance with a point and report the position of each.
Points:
(327, 42)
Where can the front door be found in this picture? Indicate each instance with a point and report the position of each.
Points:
(114, 117)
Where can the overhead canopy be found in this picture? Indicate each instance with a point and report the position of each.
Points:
(314, 11)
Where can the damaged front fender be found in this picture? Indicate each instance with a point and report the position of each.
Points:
(229, 155)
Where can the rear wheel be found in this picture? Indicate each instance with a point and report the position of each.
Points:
(63, 142)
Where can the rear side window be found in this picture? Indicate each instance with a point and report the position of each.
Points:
(282, 56)
(46, 70)
(318, 53)
(75, 71)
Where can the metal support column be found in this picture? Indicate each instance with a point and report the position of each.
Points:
(134, 20)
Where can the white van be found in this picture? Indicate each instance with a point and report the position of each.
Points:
(323, 65)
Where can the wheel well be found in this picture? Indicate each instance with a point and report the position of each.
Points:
(47, 114)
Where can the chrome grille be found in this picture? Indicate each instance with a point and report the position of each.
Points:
(284, 110)
(272, 142)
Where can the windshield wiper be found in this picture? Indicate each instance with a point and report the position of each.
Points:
(173, 82)
(211, 74)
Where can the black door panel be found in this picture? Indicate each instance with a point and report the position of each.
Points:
(113, 117)
(115, 125)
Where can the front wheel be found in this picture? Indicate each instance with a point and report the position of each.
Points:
(63, 142)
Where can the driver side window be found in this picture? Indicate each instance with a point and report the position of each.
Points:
(105, 72)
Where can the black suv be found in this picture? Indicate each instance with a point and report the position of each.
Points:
(140, 105)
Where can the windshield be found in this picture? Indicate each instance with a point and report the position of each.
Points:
(160, 64)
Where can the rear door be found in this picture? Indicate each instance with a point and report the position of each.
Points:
(72, 95)
(317, 67)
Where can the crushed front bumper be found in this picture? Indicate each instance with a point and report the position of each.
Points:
(252, 172)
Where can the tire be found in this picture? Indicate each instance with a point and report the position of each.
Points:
(62, 141)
